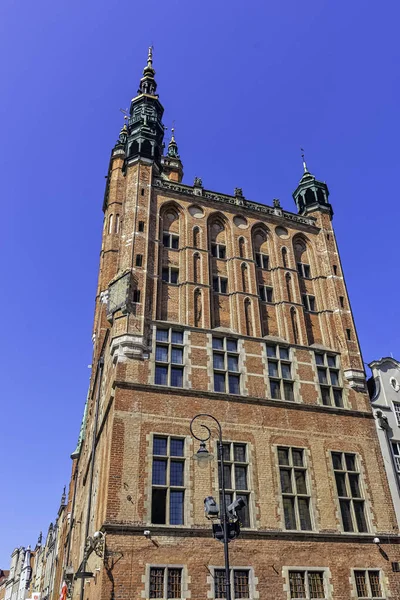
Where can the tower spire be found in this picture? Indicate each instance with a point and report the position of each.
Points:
(304, 161)
(148, 84)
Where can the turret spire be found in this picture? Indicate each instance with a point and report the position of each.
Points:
(304, 161)
(147, 83)
(173, 146)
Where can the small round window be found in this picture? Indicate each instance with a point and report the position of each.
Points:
(395, 384)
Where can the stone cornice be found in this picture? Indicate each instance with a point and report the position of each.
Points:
(239, 201)
(251, 534)
(160, 389)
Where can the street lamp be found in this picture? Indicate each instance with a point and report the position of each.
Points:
(203, 457)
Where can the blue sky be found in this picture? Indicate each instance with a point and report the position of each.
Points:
(247, 84)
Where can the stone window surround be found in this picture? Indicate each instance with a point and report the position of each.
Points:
(253, 581)
(185, 579)
(327, 579)
(186, 352)
(382, 579)
(342, 376)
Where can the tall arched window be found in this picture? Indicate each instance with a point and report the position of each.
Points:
(116, 229)
(110, 223)
(248, 317)
(295, 330)
(260, 247)
(170, 228)
(244, 278)
(197, 308)
(196, 237)
(284, 257)
(288, 280)
(242, 247)
(196, 268)
(217, 237)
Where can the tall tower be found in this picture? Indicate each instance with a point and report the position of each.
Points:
(212, 303)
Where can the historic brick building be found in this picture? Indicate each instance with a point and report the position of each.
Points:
(211, 303)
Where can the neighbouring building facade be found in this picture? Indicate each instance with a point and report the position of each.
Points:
(211, 303)
(384, 387)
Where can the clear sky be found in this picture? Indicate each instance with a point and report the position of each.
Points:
(247, 84)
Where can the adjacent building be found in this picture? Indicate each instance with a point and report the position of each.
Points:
(384, 387)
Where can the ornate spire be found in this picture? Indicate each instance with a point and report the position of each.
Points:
(311, 194)
(173, 146)
(40, 538)
(147, 83)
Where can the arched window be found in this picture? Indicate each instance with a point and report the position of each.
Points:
(110, 223)
(217, 237)
(196, 268)
(310, 196)
(116, 224)
(197, 308)
(302, 257)
(285, 257)
(170, 228)
(244, 278)
(295, 331)
(288, 280)
(196, 237)
(248, 317)
(260, 247)
(242, 247)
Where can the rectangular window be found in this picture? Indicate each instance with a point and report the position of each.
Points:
(139, 260)
(136, 296)
(294, 488)
(266, 293)
(306, 584)
(396, 407)
(348, 486)
(169, 357)
(170, 274)
(220, 284)
(335, 271)
(329, 379)
(348, 334)
(236, 468)
(168, 481)
(226, 365)
(165, 582)
(218, 250)
(171, 240)
(239, 580)
(262, 260)
(309, 302)
(304, 270)
(141, 226)
(280, 372)
(341, 300)
(368, 584)
(396, 455)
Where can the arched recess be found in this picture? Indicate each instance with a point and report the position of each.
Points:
(196, 237)
(170, 234)
(285, 258)
(245, 281)
(248, 315)
(288, 281)
(294, 325)
(259, 238)
(217, 238)
(217, 229)
(242, 247)
(110, 223)
(196, 268)
(198, 308)
(310, 196)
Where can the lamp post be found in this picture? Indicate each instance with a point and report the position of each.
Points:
(203, 456)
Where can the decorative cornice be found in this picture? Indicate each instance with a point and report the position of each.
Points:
(187, 190)
(251, 534)
(160, 389)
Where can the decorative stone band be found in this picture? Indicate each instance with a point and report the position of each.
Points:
(127, 346)
(356, 379)
(188, 190)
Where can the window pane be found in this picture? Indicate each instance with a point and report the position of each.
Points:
(219, 382)
(300, 478)
(162, 335)
(272, 368)
(175, 242)
(306, 270)
(275, 390)
(271, 351)
(341, 484)
(297, 455)
(162, 353)
(177, 355)
(285, 368)
(350, 462)
(354, 486)
(177, 337)
(159, 472)
(166, 240)
(215, 284)
(331, 361)
(375, 584)
(334, 378)
(174, 583)
(284, 353)
(158, 505)
(346, 515)
(239, 452)
(241, 478)
(161, 375)
(304, 514)
(176, 508)
(326, 396)
(286, 481)
(223, 285)
(316, 585)
(360, 516)
(218, 343)
(222, 251)
(227, 452)
(297, 585)
(233, 364)
(234, 386)
(322, 378)
(219, 583)
(319, 359)
(156, 583)
(174, 275)
(288, 391)
(283, 456)
(176, 473)
(337, 460)
(244, 513)
(361, 584)
(176, 377)
(264, 261)
(337, 396)
(231, 345)
(160, 446)
(176, 447)
(241, 584)
(288, 507)
(165, 274)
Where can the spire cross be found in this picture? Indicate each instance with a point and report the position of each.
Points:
(304, 161)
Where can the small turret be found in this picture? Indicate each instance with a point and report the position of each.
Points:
(311, 194)
(172, 164)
